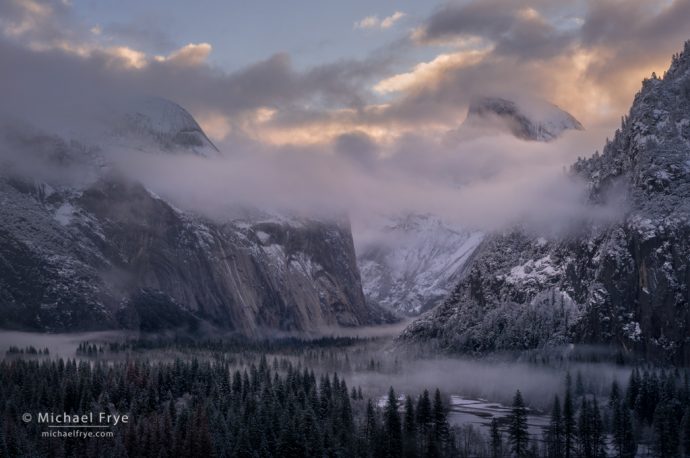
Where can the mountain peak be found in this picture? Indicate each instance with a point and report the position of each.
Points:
(166, 123)
(534, 120)
(650, 152)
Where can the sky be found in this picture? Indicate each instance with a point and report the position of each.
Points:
(372, 90)
(305, 72)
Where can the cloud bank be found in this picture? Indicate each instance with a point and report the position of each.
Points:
(366, 136)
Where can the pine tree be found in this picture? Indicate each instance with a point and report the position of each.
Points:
(568, 422)
(409, 429)
(517, 428)
(598, 433)
(628, 443)
(685, 433)
(579, 385)
(440, 419)
(633, 388)
(665, 432)
(554, 433)
(424, 419)
(584, 431)
(614, 395)
(392, 426)
(496, 440)
(371, 428)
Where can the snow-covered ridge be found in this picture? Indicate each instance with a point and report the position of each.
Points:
(625, 283)
(164, 122)
(415, 263)
(534, 120)
(83, 246)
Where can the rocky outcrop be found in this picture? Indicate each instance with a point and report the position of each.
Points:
(108, 253)
(625, 282)
(415, 262)
(533, 120)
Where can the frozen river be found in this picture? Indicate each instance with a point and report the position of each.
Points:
(480, 412)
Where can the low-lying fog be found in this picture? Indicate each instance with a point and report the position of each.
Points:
(494, 379)
(491, 380)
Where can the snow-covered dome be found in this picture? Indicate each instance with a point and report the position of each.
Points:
(166, 123)
(526, 119)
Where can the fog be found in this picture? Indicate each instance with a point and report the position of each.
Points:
(493, 380)
(59, 345)
(483, 182)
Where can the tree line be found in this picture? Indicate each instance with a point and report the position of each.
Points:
(209, 409)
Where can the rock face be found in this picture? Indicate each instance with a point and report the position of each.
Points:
(420, 258)
(625, 283)
(108, 253)
(163, 122)
(416, 264)
(534, 120)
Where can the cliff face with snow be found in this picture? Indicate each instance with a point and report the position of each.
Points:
(533, 120)
(100, 251)
(625, 283)
(420, 258)
(416, 264)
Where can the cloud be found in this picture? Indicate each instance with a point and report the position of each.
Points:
(515, 28)
(586, 56)
(192, 54)
(427, 74)
(365, 135)
(373, 22)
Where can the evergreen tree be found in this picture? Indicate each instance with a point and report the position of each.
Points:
(392, 426)
(517, 428)
(685, 432)
(554, 433)
(624, 436)
(409, 429)
(438, 413)
(614, 395)
(666, 439)
(371, 428)
(568, 422)
(585, 445)
(579, 385)
(598, 432)
(496, 440)
(633, 389)
(424, 420)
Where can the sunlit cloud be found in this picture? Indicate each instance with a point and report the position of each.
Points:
(373, 22)
(192, 54)
(427, 74)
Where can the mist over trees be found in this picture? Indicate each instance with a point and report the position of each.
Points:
(290, 398)
(205, 408)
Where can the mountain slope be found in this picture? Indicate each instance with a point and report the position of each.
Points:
(529, 120)
(625, 283)
(163, 122)
(417, 265)
(103, 251)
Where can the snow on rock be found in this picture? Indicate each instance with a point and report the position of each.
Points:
(532, 119)
(106, 252)
(163, 122)
(64, 213)
(624, 282)
(415, 263)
